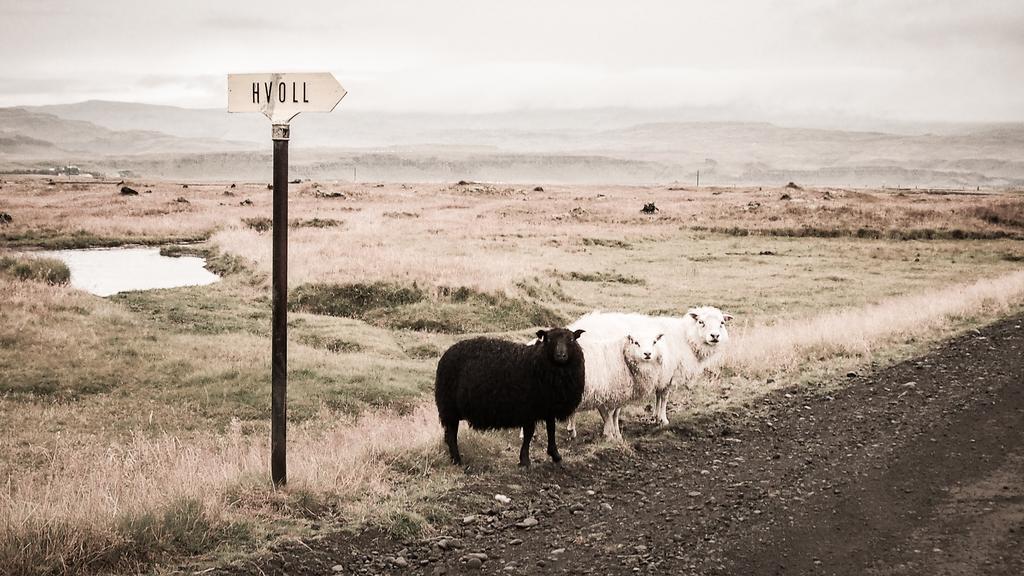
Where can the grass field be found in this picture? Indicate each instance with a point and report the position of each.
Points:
(135, 427)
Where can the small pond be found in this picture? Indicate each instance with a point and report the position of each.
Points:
(104, 272)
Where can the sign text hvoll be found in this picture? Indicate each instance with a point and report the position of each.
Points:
(280, 96)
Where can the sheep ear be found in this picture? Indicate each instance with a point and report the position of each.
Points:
(541, 334)
(727, 317)
(578, 333)
(659, 337)
(694, 315)
(630, 338)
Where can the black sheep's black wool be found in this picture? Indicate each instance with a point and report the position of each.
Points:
(495, 383)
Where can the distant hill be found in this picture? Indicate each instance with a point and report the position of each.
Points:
(12, 143)
(29, 133)
(602, 145)
(171, 120)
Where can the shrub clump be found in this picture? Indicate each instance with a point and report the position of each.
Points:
(1008, 214)
(259, 223)
(263, 223)
(609, 277)
(607, 243)
(49, 270)
(316, 223)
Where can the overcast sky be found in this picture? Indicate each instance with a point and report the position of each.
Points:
(949, 60)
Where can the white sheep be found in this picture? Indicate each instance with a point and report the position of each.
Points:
(692, 343)
(619, 371)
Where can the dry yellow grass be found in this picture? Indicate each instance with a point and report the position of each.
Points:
(128, 417)
(780, 347)
(484, 236)
(72, 511)
(67, 515)
(816, 349)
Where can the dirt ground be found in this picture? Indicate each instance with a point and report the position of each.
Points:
(917, 468)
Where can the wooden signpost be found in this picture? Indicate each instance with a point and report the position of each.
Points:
(281, 97)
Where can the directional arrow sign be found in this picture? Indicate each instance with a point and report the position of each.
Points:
(281, 96)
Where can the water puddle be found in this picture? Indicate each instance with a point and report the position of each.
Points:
(108, 271)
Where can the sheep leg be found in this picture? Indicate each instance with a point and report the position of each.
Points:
(662, 406)
(451, 438)
(552, 448)
(570, 425)
(610, 431)
(618, 426)
(524, 452)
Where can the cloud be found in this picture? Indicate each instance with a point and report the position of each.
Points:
(910, 59)
(247, 23)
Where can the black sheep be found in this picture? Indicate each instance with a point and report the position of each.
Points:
(500, 384)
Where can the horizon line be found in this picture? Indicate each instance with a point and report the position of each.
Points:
(739, 117)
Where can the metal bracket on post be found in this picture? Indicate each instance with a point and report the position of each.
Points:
(280, 132)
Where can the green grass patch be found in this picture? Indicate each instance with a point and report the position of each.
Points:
(54, 239)
(33, 382)
(546, 291)
(423, 352)
(866, 233)
(215, 309)
(609, 277)
(224, 264)
(181, 528)
(504, 315)
(379, 388)
(356, 300)
(329, 343)
(259, 223)
(1009, 213)
(607, 243)
(450, 310)
(220, 263)
(49, 270)
(262, 223)
(316, 223)
(181, 250)
(405, 524)
(40, 385)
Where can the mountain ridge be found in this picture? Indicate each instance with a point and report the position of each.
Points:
(622, 145)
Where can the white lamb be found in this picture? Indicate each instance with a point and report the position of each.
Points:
(619, 371)
(692, 343)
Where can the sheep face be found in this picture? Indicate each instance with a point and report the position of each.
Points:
(560, 345)
(711, 324)
(643, 348)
